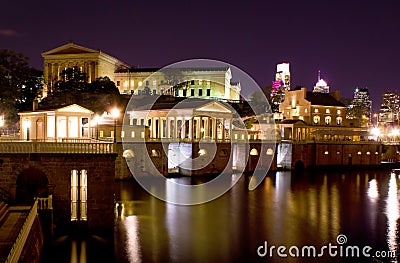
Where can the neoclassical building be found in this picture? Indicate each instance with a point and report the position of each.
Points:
(95, 63)
(69, 122)
(203, 82)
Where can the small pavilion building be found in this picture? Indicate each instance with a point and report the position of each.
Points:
(69, 122)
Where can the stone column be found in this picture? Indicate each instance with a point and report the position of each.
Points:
(191, 128)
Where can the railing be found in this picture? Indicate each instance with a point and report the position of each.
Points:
(19, 243)
(45, 203)
(56, 147)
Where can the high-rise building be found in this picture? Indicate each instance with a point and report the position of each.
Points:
(321, 85)
(389, 111)
(281, 83)
(361, 106)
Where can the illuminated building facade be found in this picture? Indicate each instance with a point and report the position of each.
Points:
(68, 122)
(280, 85)
(211, 83)
(321, 85)
(94, 63)
(389, 110)
(208, 83)
(360, 107)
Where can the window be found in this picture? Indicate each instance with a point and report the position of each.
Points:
(154, 83)
(140, 83)
(339, 120)
(176, 93)
(78, 195)
(184, 93)
(208, 92)
(147, 83)
(192, 92)
(254, 151)
(101, 134)
(118, 83)
(133, 134)
(328, 120)
(192, 82)
(122, 134)
(316, 119)
(338, 111)
(316, 110)
(200, 92)
(200, 82)
(327, 111)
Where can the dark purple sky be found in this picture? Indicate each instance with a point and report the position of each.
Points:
(353, 43)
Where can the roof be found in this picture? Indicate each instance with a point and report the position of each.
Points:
(185, 103)
(134, 69)
(68, 108)
(323, 99)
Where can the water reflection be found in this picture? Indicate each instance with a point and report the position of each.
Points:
(311, 208)
(392, 213)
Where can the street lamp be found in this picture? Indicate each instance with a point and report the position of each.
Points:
(94, 122)
(115, 114)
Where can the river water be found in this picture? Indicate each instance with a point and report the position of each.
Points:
(351, 213)
(317, 216)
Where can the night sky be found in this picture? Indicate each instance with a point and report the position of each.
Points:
(353, 43)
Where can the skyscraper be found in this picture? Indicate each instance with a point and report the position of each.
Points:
(321, 85)
(281, 83)
(389, 111)
(360, 107)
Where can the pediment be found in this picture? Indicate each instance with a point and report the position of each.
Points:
(69, 48)
(214, 106)
(74, 108)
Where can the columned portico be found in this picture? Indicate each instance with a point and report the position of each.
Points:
(199, 120)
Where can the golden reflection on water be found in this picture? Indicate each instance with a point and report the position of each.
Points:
(392, 212)
(131, 224)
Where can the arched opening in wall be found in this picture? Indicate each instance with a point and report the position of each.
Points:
(31, 183)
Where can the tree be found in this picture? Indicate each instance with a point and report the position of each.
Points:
(72, 80)
(14, 71)
(103, 85)
(30, 90)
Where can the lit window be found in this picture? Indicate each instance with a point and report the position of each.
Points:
(368, 153)
(128, 154)
(154, 83)
(326, 152)
(112, 134)
(254, 151)
(142, 135)
(359, 153)
(327, 120)
(140, 83)
(101, 134)
(305, 110)
(327, 111)
(337, 153)
(125, 83)
(270, 151)
(339, 120)
(200, 82)
(155, 153)
(133, 134)
(316, 119)
(316, 110)
(376, 153)
(122, 134)
(338, 112)
(78, 195)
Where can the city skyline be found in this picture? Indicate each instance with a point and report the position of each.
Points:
(353, 44)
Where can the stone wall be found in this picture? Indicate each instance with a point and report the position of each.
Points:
(57, 167)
